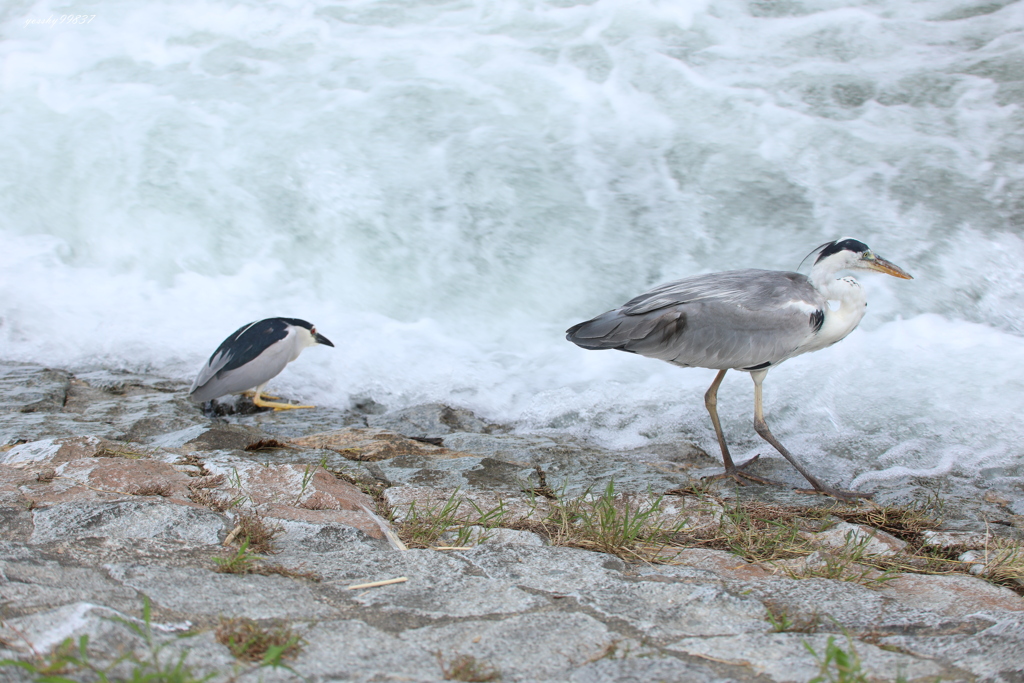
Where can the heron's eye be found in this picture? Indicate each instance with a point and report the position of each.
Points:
(868, 256)
(312, 330)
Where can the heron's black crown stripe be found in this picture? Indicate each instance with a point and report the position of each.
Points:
(856, 246)
(299, 322)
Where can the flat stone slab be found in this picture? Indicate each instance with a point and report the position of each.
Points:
(142, 518)
(204, 593)
(367, 444)
(783, 657)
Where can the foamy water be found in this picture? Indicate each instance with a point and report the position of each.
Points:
(443, 188)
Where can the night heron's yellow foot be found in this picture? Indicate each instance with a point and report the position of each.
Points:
(250, 394)
(258, 401)
(289, 406)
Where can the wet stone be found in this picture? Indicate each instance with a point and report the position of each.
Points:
(783, 657)
(140, 518)
(845, 535)
(373, 444)
(30, 388)
(429, 420)
(228, 437)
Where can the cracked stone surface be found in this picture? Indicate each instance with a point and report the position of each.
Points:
(115, 490)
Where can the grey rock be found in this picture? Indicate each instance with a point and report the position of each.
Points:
(954, 595)
(783, 657)
(556, 570)
(351, 650)
(178, 437)
(47, 404)
(297, 423)
(429, 420)
(479, 535)
(300, 537)
(37, 584)
(632, 669)
(571, 467)
(489, 474)
(15, 524)
(46, 629)
(30, 389)
(211, 437)
(527, 647)
(120, 382)
(994, 654)
(870, 541)
(142, 518)
(439, 586)
(673, 609)
(835, 605)
(203, 592)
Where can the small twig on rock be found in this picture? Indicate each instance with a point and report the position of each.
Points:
(231, 536)
(375, 584)
(386, 529)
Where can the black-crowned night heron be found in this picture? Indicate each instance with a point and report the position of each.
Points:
(749, 320)
(252, 356)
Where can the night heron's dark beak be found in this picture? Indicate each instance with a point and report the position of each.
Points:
(882, 266)
(321, 339)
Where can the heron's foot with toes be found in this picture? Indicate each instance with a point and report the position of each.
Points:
(252, 394)
(738, 475)
(258, 400)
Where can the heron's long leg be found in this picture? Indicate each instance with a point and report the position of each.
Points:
(711, 403)
(732, 471)
(273, 404)
(762, 429)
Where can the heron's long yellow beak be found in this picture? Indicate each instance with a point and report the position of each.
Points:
(881, 265)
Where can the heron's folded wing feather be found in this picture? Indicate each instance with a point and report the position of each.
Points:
(259, 370)
(221, 357)
(239, 349)
(737, 319)
(752, 289)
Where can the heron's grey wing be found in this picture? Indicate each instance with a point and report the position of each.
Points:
(257, 371)
(221, 357)
(752, 289)
(236, 352)
(739, 319)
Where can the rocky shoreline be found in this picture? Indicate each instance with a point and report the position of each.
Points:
(161, 533)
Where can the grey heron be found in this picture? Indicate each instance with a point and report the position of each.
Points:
(252, 356)
(747, 320)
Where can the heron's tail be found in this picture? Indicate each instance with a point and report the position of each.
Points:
(598, 333)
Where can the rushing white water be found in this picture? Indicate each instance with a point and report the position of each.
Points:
(443, 187)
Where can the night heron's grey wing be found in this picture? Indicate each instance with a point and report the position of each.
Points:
(231, 368)
(745, 319)
(221, 357)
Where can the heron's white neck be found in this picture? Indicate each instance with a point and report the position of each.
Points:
(844, 309)
(824, 272)
(301, 339)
